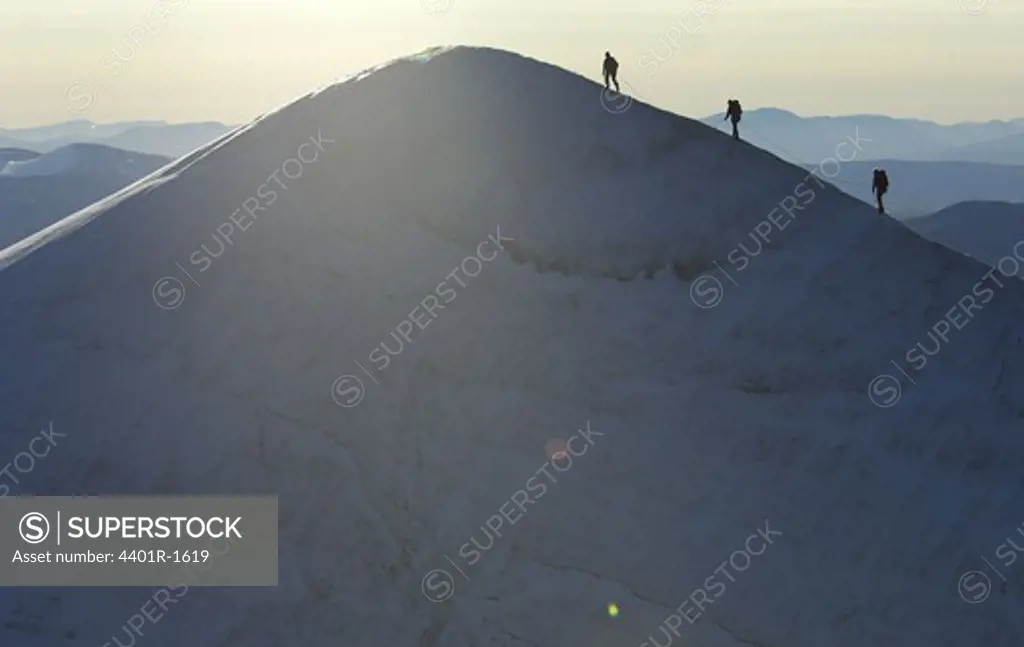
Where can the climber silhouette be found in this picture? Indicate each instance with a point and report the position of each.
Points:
(879, 185)
(734, 112)
(611, 71)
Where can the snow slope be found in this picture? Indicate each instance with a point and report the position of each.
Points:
(712, 420)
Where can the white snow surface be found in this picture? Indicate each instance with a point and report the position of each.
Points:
(713, 420)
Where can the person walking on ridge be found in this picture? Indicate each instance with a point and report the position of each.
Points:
(734, 112)
(879, 185)
(611, 71)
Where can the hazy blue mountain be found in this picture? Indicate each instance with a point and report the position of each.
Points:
(921, 188)
(38, 190)
(153, 137)
(15, 155)
(170, 140)
(1005, 150)
(813, 139)
(77, 129)
(986, 231)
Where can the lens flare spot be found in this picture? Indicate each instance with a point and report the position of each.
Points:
(555, 448)
(613, 609)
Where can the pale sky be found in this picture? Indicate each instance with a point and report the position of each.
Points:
(230, 60)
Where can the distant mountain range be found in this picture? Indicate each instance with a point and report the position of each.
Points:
(152, 137)
(986, 230)
(931, 166)
(1005, 150)
(921, 188)
(38, 190)
(809, 140)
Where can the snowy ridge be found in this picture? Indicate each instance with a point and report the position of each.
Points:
(712, 420)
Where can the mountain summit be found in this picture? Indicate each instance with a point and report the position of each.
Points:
(400, 300)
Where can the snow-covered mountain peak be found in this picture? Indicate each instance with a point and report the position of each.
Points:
(387, 301)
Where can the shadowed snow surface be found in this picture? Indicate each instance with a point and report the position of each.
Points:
(713, 420)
